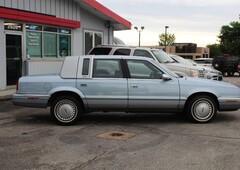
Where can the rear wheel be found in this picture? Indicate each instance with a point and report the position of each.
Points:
(230, 71)
(201, 109)
(66, 110)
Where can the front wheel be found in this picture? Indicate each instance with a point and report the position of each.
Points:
(66, 110)
(201, 109)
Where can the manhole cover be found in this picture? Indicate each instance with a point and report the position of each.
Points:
(118, 135)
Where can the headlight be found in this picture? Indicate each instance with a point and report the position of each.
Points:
(193, 73)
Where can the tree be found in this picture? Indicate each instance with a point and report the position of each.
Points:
(214, 50)
(230, 38)
(170, 39)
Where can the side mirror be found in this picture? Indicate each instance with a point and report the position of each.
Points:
(165, 77)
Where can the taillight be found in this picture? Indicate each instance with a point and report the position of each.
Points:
(239, 66)
(17, 85)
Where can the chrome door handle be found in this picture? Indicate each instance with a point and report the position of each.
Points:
(134, 86)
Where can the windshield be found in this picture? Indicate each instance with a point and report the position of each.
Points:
(162, 57)
(193, 62)
(165, 69)
(182, 60)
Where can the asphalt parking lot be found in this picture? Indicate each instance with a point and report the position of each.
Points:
(29, 139)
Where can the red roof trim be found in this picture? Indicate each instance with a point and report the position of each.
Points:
(108, 12)
(37, 18)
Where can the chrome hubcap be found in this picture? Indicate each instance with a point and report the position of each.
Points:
(203, 109)
(65, 110)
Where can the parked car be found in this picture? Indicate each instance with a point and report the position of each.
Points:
(156, 54)
(123, 83)
(209, 72)
(204, 61)
(227, 64)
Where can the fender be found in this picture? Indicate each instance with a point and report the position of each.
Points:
(67, 88)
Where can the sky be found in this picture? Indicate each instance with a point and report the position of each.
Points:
(191, 21)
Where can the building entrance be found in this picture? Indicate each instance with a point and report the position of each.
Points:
(14, 58)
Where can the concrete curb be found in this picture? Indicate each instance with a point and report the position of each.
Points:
(6, 94)
(5, 97)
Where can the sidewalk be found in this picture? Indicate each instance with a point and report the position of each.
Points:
(6, 94)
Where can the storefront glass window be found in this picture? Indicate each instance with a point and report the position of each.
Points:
(50, 45)
(12, 26)
(50, 29)
(88, 41)
(98, 39)
(64, 45)
(34, 44)
(64, 31)
(47, 41)
(34, 27)
(92, 39)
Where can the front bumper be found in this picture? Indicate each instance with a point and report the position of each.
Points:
(229, 104)
(214, 76)
(30, 100)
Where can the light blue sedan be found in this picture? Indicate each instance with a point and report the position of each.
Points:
(123, 83)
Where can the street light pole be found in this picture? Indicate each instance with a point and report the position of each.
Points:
(165, 43)
(139, 31)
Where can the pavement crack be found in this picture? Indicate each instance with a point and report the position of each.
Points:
(201, 135)
(90, 160)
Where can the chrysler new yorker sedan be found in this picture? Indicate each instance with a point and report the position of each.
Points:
(123, 83)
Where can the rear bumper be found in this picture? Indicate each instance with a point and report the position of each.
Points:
(30, 100)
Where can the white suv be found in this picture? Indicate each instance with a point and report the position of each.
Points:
(157, 54)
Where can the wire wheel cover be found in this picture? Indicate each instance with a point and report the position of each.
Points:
(65, 110)
(203, 109)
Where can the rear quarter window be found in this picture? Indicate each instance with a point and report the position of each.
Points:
(122, 52)
(100, 51)
(142, 53)
(85, 68)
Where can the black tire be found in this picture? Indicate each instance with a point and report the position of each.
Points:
(230, 71)
(66, 110)
(201, 109)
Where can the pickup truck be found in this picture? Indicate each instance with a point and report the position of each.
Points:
(227, 64)
(123, 83)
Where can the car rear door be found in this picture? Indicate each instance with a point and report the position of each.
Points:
(107, 88)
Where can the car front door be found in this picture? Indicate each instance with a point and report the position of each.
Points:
(147, 89)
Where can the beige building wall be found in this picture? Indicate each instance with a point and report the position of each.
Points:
(201, 52)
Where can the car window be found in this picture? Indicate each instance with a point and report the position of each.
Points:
(100, 51)
(142, 53)
(85, 68)
(122, 52)
(203, 61)
(107, 68)
(140, 69)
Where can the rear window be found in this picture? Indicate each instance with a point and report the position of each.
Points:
(122, 52)
(100, 51)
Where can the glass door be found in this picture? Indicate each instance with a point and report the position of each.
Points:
(14, 58)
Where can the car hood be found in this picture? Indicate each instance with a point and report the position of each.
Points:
(210, 69)
(204, 82)
(174, 65)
